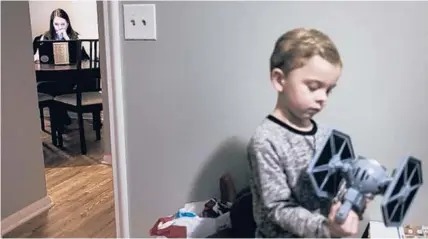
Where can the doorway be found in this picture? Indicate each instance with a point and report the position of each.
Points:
(79, 185)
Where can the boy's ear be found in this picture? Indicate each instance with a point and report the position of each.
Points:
(278, 79)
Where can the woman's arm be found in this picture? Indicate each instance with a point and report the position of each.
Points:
(36, 55)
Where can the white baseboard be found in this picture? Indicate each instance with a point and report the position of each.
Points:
(24, 215)
(107, 159)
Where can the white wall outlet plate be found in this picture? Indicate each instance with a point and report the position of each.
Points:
(139, 21)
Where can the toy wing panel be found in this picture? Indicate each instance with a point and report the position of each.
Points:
(324, 177)
(401, 191)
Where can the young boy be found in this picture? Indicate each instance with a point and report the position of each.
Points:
(305, 66)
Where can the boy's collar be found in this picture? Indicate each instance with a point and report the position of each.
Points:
(294, 130)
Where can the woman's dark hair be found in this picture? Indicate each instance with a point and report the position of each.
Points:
(62, 14)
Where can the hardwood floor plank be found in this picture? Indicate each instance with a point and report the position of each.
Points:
(68, 210)
(87, 216)
(81, 189)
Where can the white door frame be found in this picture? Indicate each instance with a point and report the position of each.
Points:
(113, 50)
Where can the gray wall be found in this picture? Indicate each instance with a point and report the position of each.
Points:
(194, 96)
(22, 168)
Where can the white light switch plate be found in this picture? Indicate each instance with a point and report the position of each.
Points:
(139, 21)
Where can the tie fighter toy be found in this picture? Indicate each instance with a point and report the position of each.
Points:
(335, 171)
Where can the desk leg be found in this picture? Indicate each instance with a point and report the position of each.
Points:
(53, 127)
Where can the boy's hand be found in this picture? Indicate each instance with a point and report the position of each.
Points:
(349, 226)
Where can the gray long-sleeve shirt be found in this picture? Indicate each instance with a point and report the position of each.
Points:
(284, 202)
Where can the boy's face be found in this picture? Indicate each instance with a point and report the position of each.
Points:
(304, 92)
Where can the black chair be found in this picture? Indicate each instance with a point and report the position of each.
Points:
(46, 101)
(83, 100)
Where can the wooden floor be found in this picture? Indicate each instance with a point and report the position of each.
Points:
(81, 189)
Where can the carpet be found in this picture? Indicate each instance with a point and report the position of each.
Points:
(54, 156)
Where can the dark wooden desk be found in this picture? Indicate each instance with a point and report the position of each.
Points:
(66, 76)
(86, 65)
(48, 72)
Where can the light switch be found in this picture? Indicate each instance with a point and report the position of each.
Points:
(139, 21)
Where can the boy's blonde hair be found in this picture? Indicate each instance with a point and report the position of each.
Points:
(295, 47)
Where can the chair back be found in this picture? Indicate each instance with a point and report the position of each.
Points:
(90, 52)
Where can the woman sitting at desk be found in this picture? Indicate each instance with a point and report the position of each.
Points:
(59, 29)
